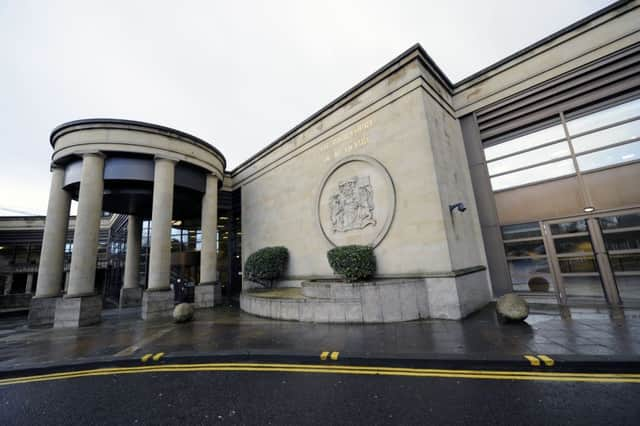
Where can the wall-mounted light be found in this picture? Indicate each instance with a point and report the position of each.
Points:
(589, 209)
(459, 206)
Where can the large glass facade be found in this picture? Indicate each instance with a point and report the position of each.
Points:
(572, 245)
(596, 256)
(186, 243)
(601, 139)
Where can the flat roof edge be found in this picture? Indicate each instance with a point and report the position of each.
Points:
(438, 73)
(577, 24)
(124, 122)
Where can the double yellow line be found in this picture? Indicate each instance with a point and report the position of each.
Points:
(335, 369)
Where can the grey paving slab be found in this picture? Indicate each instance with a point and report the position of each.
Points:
(123, 334)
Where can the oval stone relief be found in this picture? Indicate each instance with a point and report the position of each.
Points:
(356, 202)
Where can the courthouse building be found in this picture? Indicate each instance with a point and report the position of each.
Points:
(524, 177)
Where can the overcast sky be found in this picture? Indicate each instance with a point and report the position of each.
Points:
(236, 74)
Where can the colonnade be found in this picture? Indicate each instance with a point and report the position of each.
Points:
(81, 305)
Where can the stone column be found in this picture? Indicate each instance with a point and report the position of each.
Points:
(204, 291)
(157, 301)
(54, 238)
(131, 292)
(81, 306)
(51, 266)
(28, 288)
(8, 284)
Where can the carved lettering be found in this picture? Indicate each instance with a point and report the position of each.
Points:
(346, 141)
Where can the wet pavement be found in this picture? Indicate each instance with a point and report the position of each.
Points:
(573, 333)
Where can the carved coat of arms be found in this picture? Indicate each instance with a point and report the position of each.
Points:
(351, 207)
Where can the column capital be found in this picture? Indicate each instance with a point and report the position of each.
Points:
(158, 157)
(99, 154)
(214, 175)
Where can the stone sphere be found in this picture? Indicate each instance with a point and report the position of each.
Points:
(511, 308)
(183, 312)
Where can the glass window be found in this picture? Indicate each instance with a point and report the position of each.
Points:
(521, 143)
(522, 230)
(602, 118)
(534, 174)
(574, 244)
(629, 240)
(530, 275)
(584, 286)
(611, 156)
(529, 158)
(629, 262)
(533, 248)
(607, 137)
(581, 264)
(569, 227)
(621, 221)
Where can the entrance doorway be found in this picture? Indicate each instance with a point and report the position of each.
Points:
(595, 257)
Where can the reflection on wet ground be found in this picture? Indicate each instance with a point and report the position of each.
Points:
(553, 331)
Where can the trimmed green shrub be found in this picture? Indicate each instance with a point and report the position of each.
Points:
(354, 263)
(266, 265)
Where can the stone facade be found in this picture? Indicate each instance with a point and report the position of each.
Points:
(157, 304)
(380, 168)
(130, 297)
(42, 311)
(205, 295)
(77, 311)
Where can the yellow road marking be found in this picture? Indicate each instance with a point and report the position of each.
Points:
(334, 355)
(335, 369)
(324, 355)
(533, 360)
(146, 357)
(157, 356)
(143, 343)
(548, 361)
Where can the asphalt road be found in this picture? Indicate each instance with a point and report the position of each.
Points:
(299, 398)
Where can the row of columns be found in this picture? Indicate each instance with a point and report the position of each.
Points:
(28, 286)
(81, 283)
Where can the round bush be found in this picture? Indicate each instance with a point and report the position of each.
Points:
(266, 265)
(354, 263)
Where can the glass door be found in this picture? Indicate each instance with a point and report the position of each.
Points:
(621, 238)
(574, 260)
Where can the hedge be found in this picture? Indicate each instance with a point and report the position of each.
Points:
(266, 265)
(354, 263)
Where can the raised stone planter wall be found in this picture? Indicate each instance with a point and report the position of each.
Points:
(336, 302)
(380, 301)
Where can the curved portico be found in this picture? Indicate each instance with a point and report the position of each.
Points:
(139, 169)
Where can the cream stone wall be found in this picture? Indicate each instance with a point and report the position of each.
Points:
(404, 122)
(454, 185)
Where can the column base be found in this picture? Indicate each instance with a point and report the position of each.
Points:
(42, 311)
(73, 312)
(206, 295)
(157, 304)
(130, 297)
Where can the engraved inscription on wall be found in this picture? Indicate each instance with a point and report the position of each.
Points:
(351, 206)
(347, 141)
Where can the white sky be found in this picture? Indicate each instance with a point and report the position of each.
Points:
(237, 74)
